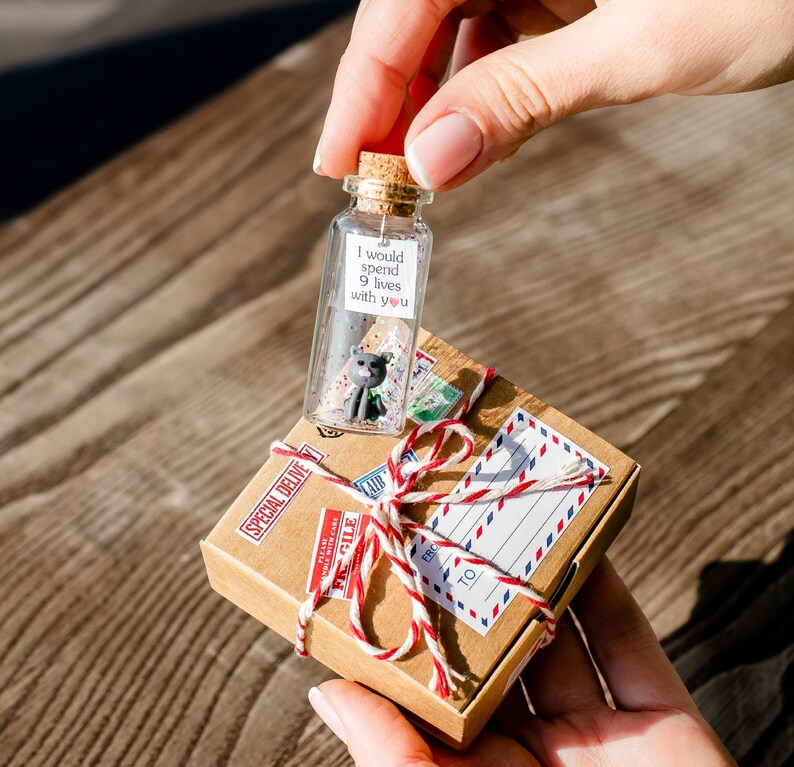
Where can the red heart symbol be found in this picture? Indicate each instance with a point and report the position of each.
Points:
(394, 301)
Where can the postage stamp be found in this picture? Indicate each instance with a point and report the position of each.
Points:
(432, 399)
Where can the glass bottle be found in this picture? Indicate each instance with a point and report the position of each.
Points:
(371, 299)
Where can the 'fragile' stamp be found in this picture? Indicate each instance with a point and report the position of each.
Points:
(336, 533)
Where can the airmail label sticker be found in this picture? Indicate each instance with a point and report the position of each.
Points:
(514, 533)
(373, 483)
(279, 495)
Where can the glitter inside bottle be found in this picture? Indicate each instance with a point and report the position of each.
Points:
(370, 302)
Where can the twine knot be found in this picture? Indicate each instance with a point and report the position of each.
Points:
(388, 528)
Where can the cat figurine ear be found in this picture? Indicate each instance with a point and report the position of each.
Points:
(387, 357)
(354, 351)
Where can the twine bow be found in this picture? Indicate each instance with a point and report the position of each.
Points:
(388, 527)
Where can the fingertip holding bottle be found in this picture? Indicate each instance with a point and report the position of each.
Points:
(443, 149)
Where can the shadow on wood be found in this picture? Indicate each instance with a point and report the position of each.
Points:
(735, 654)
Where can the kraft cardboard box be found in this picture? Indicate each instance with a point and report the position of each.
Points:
(288, 525)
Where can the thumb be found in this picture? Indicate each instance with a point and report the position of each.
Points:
(374, 730)
(491, 107)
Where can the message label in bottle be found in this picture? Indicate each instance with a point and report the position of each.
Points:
(380, 276)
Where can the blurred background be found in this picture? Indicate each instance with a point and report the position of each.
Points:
(108, 72)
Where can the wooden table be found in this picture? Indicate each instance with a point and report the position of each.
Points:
(632, 266)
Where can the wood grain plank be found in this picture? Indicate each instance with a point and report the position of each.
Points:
(710, 550)
(632, 266)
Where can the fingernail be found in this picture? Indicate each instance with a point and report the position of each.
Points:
(316, 163)
(443, 149)
(326, 712)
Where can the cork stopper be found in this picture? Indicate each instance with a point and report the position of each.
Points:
(386, 167)
(384, 185)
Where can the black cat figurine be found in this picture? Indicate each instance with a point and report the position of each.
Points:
(367, 372)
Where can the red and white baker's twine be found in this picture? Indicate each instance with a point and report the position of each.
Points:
(388, 527)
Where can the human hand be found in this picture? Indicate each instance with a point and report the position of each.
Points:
(654, 722)
(502, 91)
